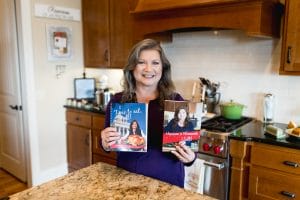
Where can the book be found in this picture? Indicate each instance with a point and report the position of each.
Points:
(130, 120)
(182, 123)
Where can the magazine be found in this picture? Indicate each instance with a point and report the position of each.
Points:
(130, 120)
(182, 123)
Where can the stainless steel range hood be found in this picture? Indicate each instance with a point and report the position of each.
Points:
(156, 17)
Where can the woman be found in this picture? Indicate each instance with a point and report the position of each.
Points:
(180, 122)
(147, 79)
(134, 128)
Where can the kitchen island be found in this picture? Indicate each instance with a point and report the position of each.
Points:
(104, 181)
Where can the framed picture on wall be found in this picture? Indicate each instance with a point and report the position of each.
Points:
(59, 42)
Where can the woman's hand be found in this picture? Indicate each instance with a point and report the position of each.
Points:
(109, 136)
(184, 153)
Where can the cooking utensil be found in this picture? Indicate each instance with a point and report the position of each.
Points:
(232, 110)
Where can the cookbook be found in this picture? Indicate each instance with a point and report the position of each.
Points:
(130, 120)
(182, 124)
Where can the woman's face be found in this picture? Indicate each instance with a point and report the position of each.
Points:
(134, 125)
(148, 71)
(181, 114)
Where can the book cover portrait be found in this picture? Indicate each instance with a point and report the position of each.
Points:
(130, 120)
(182, 123)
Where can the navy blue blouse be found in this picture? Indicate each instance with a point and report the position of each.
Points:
(154, 163)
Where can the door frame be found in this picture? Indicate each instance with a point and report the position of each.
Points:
(26, 62)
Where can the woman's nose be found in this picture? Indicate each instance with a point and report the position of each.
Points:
(148, 66)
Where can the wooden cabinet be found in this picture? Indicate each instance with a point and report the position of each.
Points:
(107, 33)
(261, 171)
(98, 153)
(274, 172)
(78, 140)
(256, 18)
(79, 151)
(83, 134)
(290, 57)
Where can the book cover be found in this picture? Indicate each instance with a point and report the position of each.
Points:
(130, 120)
(182, 123)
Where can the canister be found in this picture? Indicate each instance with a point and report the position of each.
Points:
(269, 108)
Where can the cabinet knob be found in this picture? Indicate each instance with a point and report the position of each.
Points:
(87, 140)
(288, 194)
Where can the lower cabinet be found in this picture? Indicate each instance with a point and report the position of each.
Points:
(99, 155)
(79, 151)
(262, 171)
(83, 136)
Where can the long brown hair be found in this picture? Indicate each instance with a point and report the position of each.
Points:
(176, 119)
(165, 85)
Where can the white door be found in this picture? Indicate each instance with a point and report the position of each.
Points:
(12, 153)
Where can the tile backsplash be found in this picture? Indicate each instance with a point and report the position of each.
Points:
(246, 67)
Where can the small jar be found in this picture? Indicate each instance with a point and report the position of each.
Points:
(74, 102)
(69, 102)
(78, 103)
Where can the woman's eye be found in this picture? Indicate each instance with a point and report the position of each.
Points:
(155, 63)
(140, 62)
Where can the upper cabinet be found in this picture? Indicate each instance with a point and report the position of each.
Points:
(256, 17)
(290, 57)
(107, 33)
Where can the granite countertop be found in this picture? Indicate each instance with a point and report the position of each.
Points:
(255, 131)
(104, 181)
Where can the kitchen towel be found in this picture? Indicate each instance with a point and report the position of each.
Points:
(194, 176)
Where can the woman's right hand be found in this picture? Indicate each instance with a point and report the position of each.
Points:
(109, 136)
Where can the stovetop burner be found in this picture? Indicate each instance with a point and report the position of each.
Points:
(221, 124)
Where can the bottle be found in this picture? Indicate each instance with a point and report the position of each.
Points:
(269, 107)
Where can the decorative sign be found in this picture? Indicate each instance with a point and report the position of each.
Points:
(55, 12)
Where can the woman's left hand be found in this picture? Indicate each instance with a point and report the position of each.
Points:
(184, 153)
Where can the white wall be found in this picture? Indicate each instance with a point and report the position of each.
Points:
(246, 67)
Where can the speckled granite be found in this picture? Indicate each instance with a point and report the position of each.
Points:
(103, 181)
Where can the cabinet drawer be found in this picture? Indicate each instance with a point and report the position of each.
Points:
(98, 122)
(98, 150)
(270, 184)
(275, 157)
(78, 118)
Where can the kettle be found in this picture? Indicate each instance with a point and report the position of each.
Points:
(103, 97)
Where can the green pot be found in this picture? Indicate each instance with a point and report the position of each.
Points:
(232, 110)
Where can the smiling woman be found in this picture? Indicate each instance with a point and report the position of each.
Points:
(147, 79)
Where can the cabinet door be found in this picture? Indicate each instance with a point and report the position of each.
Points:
(290, 63)
(121, 40)
(270, 184)
(79, 147)
(95, 20)
(98, 153)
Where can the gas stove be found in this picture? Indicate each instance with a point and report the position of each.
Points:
(221, 124)
(214, 135)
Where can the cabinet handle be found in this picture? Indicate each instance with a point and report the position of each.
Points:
(292, 164)
(77, 118)
(289, 55)
(87, 140)
(106, 55)
(288, 194)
